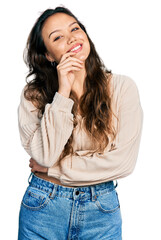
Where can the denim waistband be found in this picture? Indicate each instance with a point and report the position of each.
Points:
(83, 192)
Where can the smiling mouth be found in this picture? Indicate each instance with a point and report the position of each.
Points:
(76, 49)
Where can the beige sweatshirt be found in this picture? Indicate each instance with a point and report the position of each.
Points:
(44, 139)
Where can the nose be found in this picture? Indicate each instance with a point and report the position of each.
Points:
(71, 39)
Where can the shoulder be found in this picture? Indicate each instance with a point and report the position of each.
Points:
(122, 81)
(25, 102)
(122, 84)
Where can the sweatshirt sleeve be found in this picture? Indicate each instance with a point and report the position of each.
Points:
(112, 164)
(44, 138)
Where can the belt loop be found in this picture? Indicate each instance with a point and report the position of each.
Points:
(29, 178)
(115, 186)
(93, 193)
(54, 191)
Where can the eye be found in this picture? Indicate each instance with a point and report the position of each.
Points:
(74, 29)
(57, 38)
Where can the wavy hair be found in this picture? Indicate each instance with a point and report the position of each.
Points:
(95, 104)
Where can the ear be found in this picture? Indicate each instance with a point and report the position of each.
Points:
(49, 57)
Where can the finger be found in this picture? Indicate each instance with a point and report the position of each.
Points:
(72, 68)
(69, 55)
(70, 59)
(30, 165)
(31, 160)
(70, 63)
(66, 55)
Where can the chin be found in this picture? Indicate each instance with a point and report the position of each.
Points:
(83, 57)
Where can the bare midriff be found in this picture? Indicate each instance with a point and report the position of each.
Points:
(48, 178)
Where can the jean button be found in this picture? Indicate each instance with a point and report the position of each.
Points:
(77, 193)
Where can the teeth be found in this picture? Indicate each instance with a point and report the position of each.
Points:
(74, 49)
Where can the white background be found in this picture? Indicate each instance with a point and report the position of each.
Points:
(127, 37)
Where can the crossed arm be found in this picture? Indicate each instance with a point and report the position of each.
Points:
(45, 139)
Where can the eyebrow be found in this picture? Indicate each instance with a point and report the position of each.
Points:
(60, 29)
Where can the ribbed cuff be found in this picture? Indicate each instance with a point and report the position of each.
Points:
(62, 102)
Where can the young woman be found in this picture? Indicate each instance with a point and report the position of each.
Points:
(81, 126)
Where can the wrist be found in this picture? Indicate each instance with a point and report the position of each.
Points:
(64, 93)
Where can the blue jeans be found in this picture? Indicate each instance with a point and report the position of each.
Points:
(53, 212)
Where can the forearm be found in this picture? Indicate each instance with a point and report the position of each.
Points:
(44, 139)
(112, 164)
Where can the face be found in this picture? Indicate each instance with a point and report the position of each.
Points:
(61, 34)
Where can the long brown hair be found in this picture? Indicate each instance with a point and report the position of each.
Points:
(95, 104)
